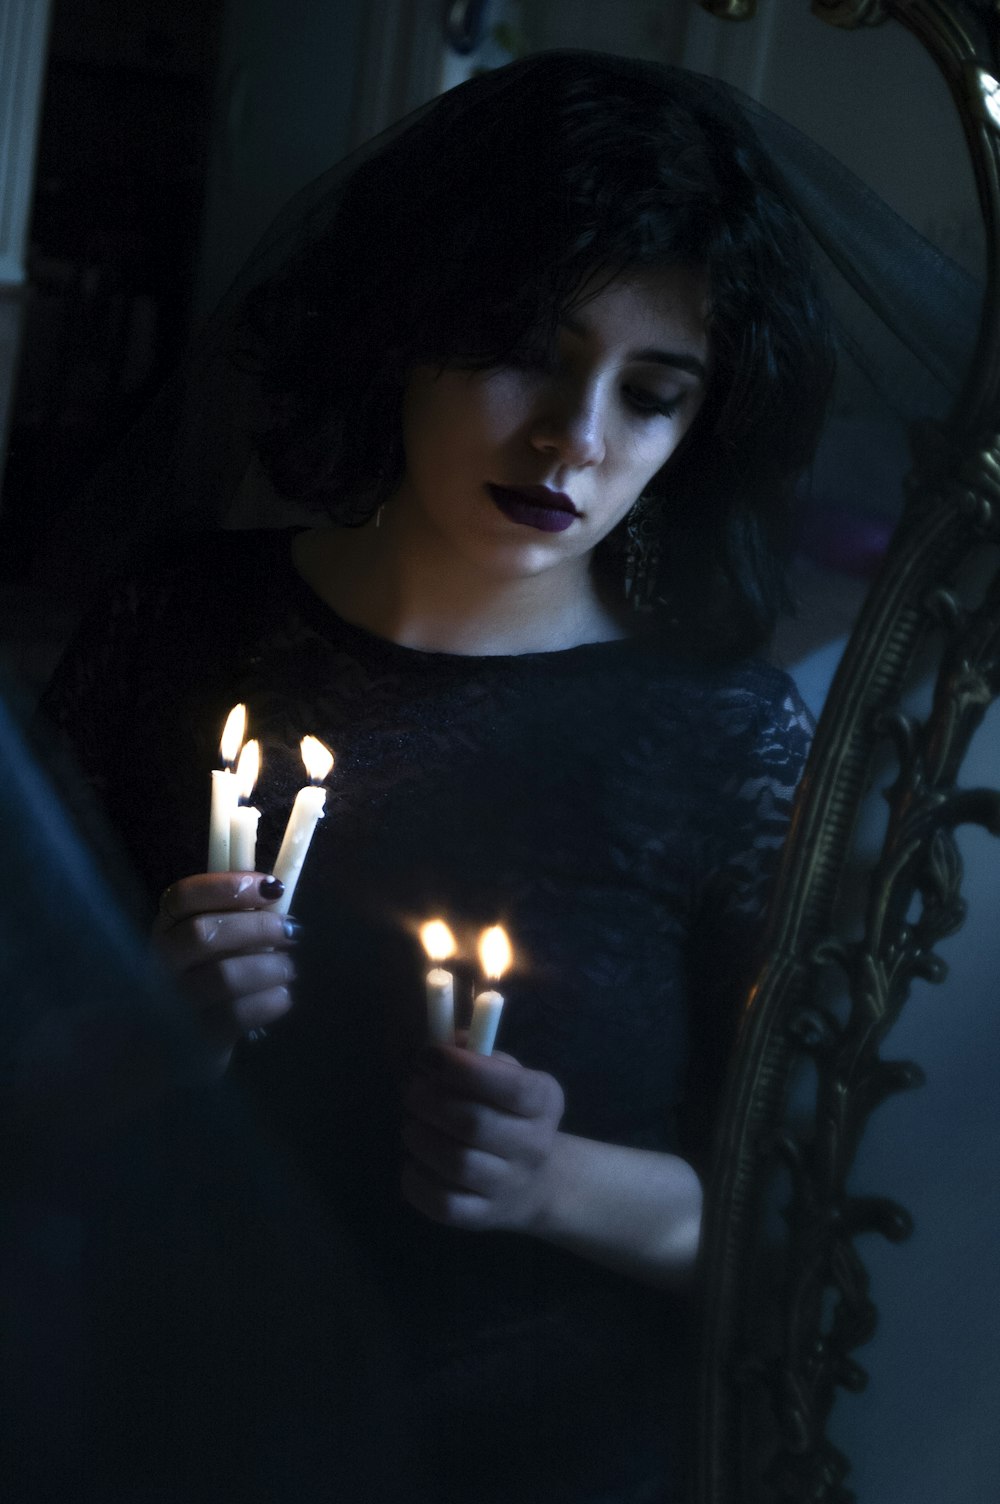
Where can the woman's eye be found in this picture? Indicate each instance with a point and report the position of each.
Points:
(649, 403)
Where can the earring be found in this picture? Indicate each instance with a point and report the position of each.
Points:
(642, 555)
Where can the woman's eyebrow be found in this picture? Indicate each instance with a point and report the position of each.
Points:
(676, 358)
(679, 360)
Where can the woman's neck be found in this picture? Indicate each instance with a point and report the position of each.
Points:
(421, 601)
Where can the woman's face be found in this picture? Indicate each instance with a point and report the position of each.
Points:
(525, 467)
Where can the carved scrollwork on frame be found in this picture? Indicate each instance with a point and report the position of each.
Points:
(826, 1000)
(914, 902)
(824, 1310)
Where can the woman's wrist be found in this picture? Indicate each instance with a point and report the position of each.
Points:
(634, 1210)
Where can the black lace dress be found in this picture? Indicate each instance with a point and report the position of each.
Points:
(618, 807)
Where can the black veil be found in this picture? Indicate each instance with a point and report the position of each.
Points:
(905, 316)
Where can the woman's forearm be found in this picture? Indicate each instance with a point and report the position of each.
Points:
(633, 1210)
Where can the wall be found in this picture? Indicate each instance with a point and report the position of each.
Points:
(871, 96)
(283, 112)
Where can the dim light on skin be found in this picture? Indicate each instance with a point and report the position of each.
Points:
(590, 425)
(466, 558)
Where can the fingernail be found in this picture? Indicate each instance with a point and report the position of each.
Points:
(271, 888)
(292, 928)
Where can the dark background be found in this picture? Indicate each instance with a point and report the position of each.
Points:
(114, 237)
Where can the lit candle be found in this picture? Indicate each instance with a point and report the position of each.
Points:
(439, 943)
(243, 826)
(224, 795)
(495, 957)
(306, 811)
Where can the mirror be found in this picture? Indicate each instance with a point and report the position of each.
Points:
(851, 1298)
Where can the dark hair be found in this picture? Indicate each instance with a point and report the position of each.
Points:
(470, 235)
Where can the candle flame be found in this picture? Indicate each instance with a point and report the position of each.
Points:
(495, 954)
(234, 732)
(317, 758)
(247, 769)
(437, 940)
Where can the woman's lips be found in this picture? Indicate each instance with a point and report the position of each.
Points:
(535, 506)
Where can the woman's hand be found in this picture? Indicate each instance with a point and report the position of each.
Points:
(479, 1138)
(230, 955)
(484, 1150)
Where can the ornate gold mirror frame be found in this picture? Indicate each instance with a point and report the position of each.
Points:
(768, 1383)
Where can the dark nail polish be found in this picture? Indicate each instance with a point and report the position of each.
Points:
(271, 888)
(293, 929)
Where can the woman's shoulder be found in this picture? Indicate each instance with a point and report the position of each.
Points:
(188, 605)
(757, 690)
(743, 692)
(727, 729)
(216, 561)
(190, 583)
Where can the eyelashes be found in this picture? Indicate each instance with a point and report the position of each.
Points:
(648, 404)
(642, 402)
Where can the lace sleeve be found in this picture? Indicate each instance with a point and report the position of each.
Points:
(745, 850)
(765, 744)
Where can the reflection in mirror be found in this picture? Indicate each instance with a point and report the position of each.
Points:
(923, 1430)
(823, 1254)
(916, 1314)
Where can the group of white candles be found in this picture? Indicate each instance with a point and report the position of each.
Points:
(232, 847)
(232, 836)
(495, 957)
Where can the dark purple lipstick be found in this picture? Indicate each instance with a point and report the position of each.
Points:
(535, 506)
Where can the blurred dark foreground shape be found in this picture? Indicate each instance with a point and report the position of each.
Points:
(178, 1322)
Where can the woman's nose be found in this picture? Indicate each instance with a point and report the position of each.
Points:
(571, 425)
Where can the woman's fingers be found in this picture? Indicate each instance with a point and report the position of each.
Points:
(442, 1202)
(219, 934)
(223, 1026)
(215, 892)
(496, 1081)
(476, 1125)
(191, 942)
(233, 979)
(458, 1165)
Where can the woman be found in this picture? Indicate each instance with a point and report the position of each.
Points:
(548, 364)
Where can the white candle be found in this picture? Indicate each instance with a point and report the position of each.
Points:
(440, 1006)
(243, 839)
(243, 825)
(439, 943)
(495, 957)
(224, 791)
(486, 1011)
(307, 811)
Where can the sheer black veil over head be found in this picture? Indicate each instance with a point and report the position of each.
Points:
(465, 232)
